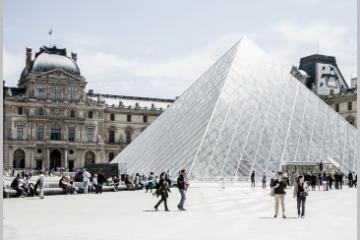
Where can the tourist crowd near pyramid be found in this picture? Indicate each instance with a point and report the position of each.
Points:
(245, 113)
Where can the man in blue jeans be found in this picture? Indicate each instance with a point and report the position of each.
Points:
(182, 185)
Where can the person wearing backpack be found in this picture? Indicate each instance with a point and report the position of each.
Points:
(301, 190)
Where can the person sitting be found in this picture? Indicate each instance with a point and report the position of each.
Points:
(71, 185)
(62, 184)
(116, 183)
(29, 187)
(129, 184)
(16, 185)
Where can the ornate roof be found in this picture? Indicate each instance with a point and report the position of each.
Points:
(48, 59)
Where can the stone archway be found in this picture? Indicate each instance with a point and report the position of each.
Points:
(55, 159)
(19, 159)
(90, 157)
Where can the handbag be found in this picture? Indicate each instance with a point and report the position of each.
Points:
(304, 194)
(272, 192)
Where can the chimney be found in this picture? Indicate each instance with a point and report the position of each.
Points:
(74, 56)
(28, 57)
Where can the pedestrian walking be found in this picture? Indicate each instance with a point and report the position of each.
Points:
(162, 191)
(263, 181)
(150, 183)
(252, 177)
(278, 191)
(300, 193)
(350, 179)
(40, 185)
(182, 185)
(354, 179)
(86, 180)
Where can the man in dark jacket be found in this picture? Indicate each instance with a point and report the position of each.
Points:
(350, 178)
(182, 185)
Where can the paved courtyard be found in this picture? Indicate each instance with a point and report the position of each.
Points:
(236, 212)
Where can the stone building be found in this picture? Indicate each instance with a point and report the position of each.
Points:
(322, 75)
(50, 121)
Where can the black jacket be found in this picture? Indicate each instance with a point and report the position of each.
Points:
(181, 182)
(281, 188)
(163, 188)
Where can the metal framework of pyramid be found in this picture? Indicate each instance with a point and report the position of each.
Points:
(245, 113)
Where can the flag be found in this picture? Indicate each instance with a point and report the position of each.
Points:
(50, 32)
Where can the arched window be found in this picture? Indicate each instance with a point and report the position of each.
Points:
(20, 110)
(111, 156)
(41, 111)
(89, 157)
(19, 159)
(90, 114)
(55, 133)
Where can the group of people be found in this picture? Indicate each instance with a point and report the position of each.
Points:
(24, 187)
(301, 184)
(321, 180)
(67, 184)
(163, 189)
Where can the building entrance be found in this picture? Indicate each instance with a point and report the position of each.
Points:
(55, 159)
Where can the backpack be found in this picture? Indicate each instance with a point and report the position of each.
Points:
(14, 183)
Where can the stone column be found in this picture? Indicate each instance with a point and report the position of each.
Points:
(66, 158)
(10, 157)
(47, 161)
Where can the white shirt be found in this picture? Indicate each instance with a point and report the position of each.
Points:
(86, 176)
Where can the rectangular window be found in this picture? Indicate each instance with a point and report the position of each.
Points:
(111, 136)
(128, 118)
(349, 106)
(40, 133)
(55, 133)
(112, 117)
(41, 93)
(90, 134)
(19, 132)
(56, 94)
(337, 107)
(72, 94)
(145, 119)
(71, 134)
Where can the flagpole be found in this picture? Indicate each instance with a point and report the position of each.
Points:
(50, 33)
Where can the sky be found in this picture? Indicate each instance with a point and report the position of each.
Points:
(159, 48)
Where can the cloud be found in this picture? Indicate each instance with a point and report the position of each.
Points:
(165, 77)
(12, 66)
(287, 42)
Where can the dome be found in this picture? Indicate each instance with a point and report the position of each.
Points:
(47, 61)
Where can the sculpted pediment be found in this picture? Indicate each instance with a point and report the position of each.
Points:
(60, 75)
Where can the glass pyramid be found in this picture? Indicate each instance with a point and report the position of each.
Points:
(245, 113)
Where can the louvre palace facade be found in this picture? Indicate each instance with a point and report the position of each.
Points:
(51, 121)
